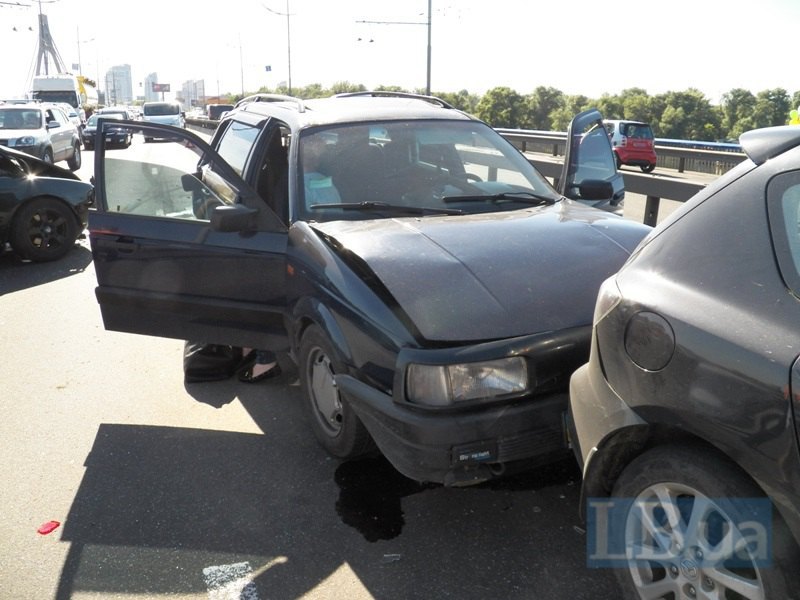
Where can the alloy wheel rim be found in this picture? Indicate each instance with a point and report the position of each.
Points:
(682, 544)
(47, 229)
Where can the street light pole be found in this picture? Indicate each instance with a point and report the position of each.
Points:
(428, 85)
(428, 25)
(289, 46)
(287, 14)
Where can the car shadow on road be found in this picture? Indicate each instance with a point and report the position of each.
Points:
(16, 274)
(165, 510)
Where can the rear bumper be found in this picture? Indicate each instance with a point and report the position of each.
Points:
(630, 156)
(455, 448)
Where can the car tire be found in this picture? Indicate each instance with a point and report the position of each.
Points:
(87, 146)
(710, 489)
(74, 162)
(44, 229)
(647, 168)
(618, 160)
(335, 424)
(47, 156)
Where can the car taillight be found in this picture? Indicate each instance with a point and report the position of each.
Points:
(623, 141)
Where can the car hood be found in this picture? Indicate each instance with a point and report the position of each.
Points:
(491, 276)
(36, 166)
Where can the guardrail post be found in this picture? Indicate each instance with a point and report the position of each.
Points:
(555, 149)
(651, 210)
(681, 164)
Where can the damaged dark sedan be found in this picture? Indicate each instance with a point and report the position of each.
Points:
(434, 289)
(43, 207)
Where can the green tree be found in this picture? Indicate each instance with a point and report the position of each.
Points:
(342, 87)
(687, 115)
(500, 107)
(737, 108)
(462, 100)
(611, 107)
(539, 108)
(572, 105)
(772, 108)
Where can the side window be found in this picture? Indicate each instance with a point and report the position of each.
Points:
(165, 183)
(236, 144)
(783, 198)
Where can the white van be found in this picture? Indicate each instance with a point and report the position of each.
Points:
(165, 113)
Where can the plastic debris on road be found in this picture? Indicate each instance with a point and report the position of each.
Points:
(48, 527)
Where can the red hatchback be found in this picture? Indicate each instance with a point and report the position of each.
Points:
(633, 143)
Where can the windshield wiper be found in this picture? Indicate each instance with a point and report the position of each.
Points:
(525, 197)
(414, 210)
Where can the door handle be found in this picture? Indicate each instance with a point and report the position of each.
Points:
(123, 245)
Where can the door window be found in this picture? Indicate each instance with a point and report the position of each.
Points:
(236, 144)
(164, 181)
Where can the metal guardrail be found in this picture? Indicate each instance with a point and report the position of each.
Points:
(544, 150)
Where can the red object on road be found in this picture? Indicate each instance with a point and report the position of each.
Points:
(48, 527)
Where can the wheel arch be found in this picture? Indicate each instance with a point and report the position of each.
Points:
(617, 450)
(310, 311)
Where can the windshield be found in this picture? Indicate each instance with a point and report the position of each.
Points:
(368, 171)
(64, 96)
(20, 118)
(161, 110)
(93, 119)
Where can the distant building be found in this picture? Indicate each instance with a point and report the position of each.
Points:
(149, 94)
(192, 94)
(119, 85)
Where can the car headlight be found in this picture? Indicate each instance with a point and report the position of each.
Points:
(28, 140)
(444, 385)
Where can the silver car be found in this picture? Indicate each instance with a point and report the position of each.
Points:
(41, 130)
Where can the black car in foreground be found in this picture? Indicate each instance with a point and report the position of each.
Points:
(434, 289)
(685, 419)
(43, 208)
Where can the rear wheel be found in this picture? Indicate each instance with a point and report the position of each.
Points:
(43, 229)
(333, 421)
(647, 168)
(618, 160)
(689, 532)
(74, 161)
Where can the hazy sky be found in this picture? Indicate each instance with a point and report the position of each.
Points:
(585, 47)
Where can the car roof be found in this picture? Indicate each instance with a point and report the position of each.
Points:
(348, 108)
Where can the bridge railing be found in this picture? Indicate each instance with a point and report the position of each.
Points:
(545, 149)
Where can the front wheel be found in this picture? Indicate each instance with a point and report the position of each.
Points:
(689, 530)
(335, 424)
(74, 162)
(44, 229)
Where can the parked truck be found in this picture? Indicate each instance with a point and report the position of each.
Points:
(76, 90)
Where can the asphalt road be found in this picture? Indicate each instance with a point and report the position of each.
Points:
(219, 490)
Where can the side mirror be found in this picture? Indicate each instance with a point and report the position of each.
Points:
(190, 183)
(53, 124)
(596, 189)
(233, 217)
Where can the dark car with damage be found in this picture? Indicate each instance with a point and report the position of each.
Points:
(43, 207)
(434, 289)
